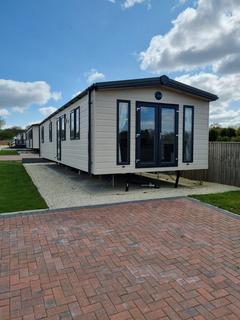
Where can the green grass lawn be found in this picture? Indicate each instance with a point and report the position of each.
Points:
(5, 152)
(17, 191)
(227, 200)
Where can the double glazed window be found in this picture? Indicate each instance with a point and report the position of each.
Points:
(42, 134)
(188, 122)
(123, 132)
(72, 125)
(63, 127)
(50, 131)
(75, 124)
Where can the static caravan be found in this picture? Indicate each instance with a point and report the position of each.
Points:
(19, 141)
(130, 126)
(32, 137)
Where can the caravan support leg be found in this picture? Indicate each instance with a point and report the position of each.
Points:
(177, 178)
(113, 181)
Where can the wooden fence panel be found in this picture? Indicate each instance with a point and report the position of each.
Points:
(224, 164)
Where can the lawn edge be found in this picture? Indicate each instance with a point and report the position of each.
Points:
(220, 210)
(100, 205)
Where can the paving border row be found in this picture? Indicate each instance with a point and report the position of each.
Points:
(102, 205)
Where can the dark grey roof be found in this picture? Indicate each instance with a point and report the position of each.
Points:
(32, 125)
(164, 81)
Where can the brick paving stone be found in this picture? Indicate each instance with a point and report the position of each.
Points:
(161, 259)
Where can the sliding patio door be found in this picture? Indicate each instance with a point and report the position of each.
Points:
(156, 135)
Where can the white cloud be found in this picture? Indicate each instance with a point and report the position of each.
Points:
(226, 87)
(130, 3)
(20, 95)
(203, 40)
(19, 109)
(208, 35)
(126, 4)
(179, 4)
(4, 112)
(93, 76)
(46, 111)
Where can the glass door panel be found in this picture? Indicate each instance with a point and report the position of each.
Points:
(146, 135)
(167, 135)
(156, 135)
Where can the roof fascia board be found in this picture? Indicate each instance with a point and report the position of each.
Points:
(145, 82)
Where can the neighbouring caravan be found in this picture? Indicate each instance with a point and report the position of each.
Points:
(129, 126)
(32, 137)
(19, 141)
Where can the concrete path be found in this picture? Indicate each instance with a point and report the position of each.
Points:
(62, 187)
(11, 158)
(162, 259)
(18, 157)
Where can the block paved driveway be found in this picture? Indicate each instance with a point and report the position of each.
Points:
(162, 259)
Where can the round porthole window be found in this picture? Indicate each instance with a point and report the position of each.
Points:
(158, 95)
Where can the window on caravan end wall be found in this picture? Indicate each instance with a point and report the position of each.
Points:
(188, 119)
(42, 134)
(50, 131)
(63, 127)
(72, 124)
(75, 124)
(123, 132)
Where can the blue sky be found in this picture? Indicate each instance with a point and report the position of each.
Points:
(52, 49)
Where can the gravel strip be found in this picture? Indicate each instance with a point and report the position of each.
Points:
(62, 187)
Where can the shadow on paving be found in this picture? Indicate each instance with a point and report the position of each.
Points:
(35, 160)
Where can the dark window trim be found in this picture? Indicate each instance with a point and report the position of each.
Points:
(72, 130)
(50, 131)
(73, 134)
(58, 140)
(175, 107)
(192, 146)
(129, 131)
(42, 134)
(158, 164)
(77, 136)
(63, 124)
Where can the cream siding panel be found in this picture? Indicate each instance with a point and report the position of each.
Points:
(74, 152)
(35, 137)
(34, 142)
(105, 129)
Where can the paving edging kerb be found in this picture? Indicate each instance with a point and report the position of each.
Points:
(69, 209)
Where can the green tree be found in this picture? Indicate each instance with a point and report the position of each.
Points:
(9, 133)
(231, 132)
(236, 139)
(213, 134)
(223, 138)
(238, 131)
(223, 132)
